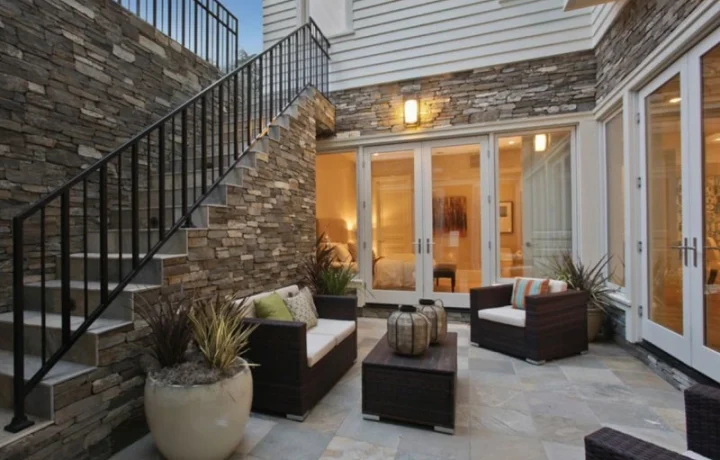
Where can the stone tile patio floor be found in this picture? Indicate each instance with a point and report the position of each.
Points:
(507, 409)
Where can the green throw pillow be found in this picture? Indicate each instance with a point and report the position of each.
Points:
(272, 307)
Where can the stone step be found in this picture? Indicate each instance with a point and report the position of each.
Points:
(41, 400)
(121, 308)
(149, 216)
(84, 351)
(121, 266)
(176, 243)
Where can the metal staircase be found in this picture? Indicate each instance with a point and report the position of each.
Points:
(82, 254)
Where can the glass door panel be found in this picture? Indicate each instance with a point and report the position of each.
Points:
(665, 207)
(394, 215)
(534, 202)
(453, 247)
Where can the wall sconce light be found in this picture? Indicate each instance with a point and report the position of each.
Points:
(411, 112)
(541, 142)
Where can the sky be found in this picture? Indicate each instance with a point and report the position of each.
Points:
(249, 14)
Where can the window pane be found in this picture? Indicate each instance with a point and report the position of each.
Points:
(615, 198)
(534, 202)
(336, 204)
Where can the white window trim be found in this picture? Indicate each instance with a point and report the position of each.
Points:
(303, 9)
(622, 295)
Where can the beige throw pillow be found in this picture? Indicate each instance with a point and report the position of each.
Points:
(302, 308)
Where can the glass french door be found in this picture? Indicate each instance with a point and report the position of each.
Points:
(680, 144)
(422, 208)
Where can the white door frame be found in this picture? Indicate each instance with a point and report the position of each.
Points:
(456, 299)
(670, 341)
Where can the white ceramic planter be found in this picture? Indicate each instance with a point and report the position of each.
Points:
(199, 422)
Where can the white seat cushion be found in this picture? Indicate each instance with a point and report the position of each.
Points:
(318, 345)
(505, 315)
(694, 455)
(338, 329)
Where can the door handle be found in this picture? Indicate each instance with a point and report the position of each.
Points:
(419, 245)
(685, 248)
(428, 244)
(695, 251)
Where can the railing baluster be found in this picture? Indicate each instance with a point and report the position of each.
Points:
(104, 278)
(66, 304)
(261, 84)
(86, 293)
(235, 126)
(43, 335)
(220, 131)
(203, 142)
(148, 224)
(120, 218)
(195, 160)
(135, 207)
(172, 163)
(161, 182)
(248, 103)
(184, 166)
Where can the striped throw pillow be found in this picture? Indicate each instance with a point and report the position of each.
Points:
(527, 286)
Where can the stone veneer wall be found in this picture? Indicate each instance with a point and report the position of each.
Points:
(77, 79)
(554, 85)
(639, 28)
(253, 244)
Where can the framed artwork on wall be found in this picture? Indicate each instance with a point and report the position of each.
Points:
(506, 216)
(450, 215)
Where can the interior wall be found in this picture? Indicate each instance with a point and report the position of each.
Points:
(336, 196)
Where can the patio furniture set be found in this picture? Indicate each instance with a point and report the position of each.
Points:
(300, 365)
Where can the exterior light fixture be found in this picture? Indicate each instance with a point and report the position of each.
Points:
(411, 112)
(541, 142)
(675, 100)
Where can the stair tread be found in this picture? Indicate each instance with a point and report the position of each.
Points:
(54, 321)
(7, 438)
(95, 285)
(60, 372)
(125, 255)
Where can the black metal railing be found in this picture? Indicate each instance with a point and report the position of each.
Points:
(101, 228)
(205, 27)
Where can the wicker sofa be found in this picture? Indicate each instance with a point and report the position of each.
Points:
(296, 367)
(552, 326)
(702, 415)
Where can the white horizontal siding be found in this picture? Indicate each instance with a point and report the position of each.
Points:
(402, 39)
(602, 18)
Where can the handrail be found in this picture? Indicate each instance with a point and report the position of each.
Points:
(205, 27)
(164, 173)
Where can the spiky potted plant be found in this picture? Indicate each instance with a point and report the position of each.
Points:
(199, 391)
(328, 279)
(592, 279)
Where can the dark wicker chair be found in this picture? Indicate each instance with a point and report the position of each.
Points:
(555, 324)
(702, 415)
(283, 382)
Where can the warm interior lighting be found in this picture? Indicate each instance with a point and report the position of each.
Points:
(541, 142)
(675, 100)
(411, 112)
(511, 142)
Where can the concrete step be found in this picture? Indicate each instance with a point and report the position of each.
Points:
(176, 243)
(121, 308)
(7, 438)
(120, 266)
(149, 216)
(234, 177)
(218, 195)
(213, 157)
(84, 351)
(41, 400)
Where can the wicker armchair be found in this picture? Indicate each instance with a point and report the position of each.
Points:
(702, 415)
(552, 326)
(284, 382)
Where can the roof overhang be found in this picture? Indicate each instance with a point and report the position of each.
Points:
(577, 4)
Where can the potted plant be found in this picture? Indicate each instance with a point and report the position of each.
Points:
(328, 278)
(198, 392)
(593, 280)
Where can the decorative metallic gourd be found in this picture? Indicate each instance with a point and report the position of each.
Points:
(408, 332)
(435, 311)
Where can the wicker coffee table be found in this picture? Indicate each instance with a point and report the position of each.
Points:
(412, 389)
